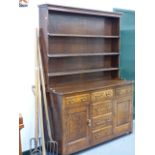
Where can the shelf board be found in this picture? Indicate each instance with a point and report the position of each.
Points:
(82, 36)
(81, 54)
(81, 71)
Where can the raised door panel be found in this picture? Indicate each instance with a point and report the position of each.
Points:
(76, 127)
(123, 116)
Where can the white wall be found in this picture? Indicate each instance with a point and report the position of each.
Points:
(28, 20)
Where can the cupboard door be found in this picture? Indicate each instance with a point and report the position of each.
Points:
(123, 116)
(77, 125)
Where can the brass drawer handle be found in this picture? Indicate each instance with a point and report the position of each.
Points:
(89, 122)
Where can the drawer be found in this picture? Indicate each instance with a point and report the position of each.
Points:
(101, 95)
(77, 100)
(101, 108)
(102, 121)
(102, 133)
(125, 90)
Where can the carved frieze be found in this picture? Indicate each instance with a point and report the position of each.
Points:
(124, 90)
(77, 99)
(101, 95)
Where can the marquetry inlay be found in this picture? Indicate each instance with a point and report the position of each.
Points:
(77, 99)
(124, 90)
(100, 95)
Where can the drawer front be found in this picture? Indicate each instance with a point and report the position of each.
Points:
(102, 121)
(101, 95)
(125, 90)
(101, 108)
(102, 134)
(77, 100)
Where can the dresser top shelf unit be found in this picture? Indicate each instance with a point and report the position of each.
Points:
(81, 46)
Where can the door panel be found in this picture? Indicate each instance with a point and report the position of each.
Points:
(75, 127)
(76, 123)
(123, 115)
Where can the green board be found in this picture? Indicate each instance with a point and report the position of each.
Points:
(127, 46)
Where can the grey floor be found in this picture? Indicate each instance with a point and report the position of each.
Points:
(124, 145)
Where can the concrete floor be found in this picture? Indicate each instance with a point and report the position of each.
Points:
(124, 145)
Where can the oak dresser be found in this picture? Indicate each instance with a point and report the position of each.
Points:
(88, 101)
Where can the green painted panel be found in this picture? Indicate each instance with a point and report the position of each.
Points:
(127, 55)
(127, 46)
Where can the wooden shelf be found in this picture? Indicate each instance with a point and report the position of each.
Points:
(87, 86)
(81, 71)
(81, 54)
(83, 36)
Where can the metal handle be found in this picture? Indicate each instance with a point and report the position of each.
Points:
(89, 122)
